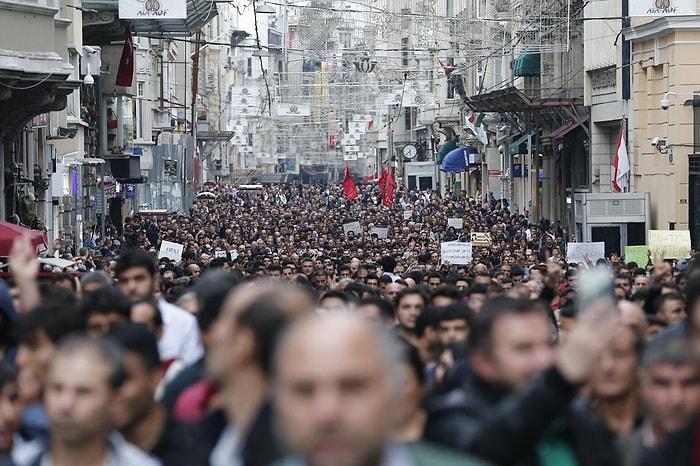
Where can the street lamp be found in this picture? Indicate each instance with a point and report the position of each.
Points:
(265, 9)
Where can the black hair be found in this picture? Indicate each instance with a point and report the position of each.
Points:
(428, 318)
(211, 291)
(386, 308)
(411, 357)
(137, 338)
(478, 288)
(111, 353)
(106, 300)
(662, 299)
(133, 258)
(497, 308)
(456, 311)
(157, 315)
(57, 315)
(412, 291)
(8, 373)
(446, 291)
(343, 296)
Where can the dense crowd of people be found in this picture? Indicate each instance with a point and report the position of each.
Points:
(296, 327)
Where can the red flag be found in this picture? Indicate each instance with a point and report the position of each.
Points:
(447, 69)
(388, 200)
(125, 74)
(369, 179)
(349, 184)
(621, 163)
(386, 186)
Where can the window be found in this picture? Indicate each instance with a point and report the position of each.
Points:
(404, 51)
(118, 118)
(249, 69)
(407, 119)
(139, 111)
(73, 104)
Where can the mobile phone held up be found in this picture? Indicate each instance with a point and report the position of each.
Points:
(595, 287)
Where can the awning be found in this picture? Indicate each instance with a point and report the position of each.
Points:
(457, 160)
(563, 130)
(445, 148)
(527, 65)
(308, 171)
(10, 231)
(513, 99)
(519, 146)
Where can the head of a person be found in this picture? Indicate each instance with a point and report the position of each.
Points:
(453, 325)
(83, 380)
(188, 301)
(511, 342)
(624, 281)
(641, 282)
(409, 304)
(143, 374)
(434, 280)
(670, 308)
(252, 318)
(103, 309)
(392, 289)
(136, 274)
(337, 387)
(93, 281)
(444, 296)
(146, 313)
(336, 300)
(377, 310)
(413, 383)
(616, 376)
(38, 333)
(670, 382)
(477, 296)
(10, 406)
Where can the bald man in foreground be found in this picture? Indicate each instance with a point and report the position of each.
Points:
(336, 391)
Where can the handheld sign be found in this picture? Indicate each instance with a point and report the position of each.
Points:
(637, 254)
(455, 252)
(172, 251)
(355, 227)
(458, 223)
(577, 252)
(480, 239)
(407, 214)
(669, 244)
(234, 254)
(382, 233)
(220, 254)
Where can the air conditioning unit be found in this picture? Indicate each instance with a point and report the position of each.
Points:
(62, 133)
(162, 119)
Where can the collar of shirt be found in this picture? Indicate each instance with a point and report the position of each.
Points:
(227, 450)
(394, 455)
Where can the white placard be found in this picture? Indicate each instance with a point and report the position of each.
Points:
(577, 252)
(382, 233)
(158, 9)
(481, 239)
(172, 251)
(456, 253)
(662, 7)
(220, 254)
(458, 223)
(355, 227)
(234, 254)
(407, 214)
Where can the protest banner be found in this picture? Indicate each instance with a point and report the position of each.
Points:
(480, 239)
(669, 244)
(172, 251)
(355, 227)
(382, 233)
(220, 254)
(637, 254)
(234, 254)
(577, 252)
(455, 252)
(458, 223)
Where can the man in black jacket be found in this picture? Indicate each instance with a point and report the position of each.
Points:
(515, 410)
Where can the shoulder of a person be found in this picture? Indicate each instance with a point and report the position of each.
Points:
(175, 312)
(426, 454)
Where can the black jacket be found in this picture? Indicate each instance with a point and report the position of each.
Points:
(261, 447)
(488, 422)
(679, 449)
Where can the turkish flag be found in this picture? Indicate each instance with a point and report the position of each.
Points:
(125, 74)
(349, 184)
(388, 198)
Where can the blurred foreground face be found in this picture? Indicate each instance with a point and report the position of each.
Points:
(334, 397)
(616, 373)
(32, 361)
(521, 349)
(78, 398)
(671, 395)
(10, 410)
